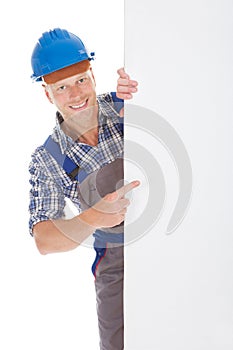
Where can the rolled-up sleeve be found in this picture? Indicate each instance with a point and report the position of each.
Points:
(47, 198)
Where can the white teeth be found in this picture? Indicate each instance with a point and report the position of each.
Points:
(79, 106)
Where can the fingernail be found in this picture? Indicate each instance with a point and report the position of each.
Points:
(137, 183)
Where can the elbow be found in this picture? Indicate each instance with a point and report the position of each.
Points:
(42, 251)
(41, 234)
(50, 240)
(40, 241)
(41, 247)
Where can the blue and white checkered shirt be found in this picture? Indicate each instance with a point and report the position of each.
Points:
(50, 185)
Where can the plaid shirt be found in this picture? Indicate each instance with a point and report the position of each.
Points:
(50, 185)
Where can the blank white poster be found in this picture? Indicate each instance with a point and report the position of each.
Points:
(179, 261)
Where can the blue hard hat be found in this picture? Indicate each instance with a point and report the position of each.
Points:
(57, 49)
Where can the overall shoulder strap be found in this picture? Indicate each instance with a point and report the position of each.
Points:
(73, 170)
(118, 102)
(118, 105)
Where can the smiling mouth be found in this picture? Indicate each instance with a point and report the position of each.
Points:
(81, 105)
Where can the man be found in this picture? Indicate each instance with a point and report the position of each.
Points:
(88, 137)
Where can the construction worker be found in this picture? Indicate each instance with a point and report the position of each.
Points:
(83, 161)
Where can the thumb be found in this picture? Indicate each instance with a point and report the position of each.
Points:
(111, 197)
(122, 74)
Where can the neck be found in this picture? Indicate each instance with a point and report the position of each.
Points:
(90, 137)
(83, 127)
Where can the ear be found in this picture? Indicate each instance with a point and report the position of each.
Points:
(47, 93)
(92, 74)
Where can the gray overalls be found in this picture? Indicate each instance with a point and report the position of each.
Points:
(108, 267)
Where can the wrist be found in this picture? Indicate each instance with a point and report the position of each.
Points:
(89, 218)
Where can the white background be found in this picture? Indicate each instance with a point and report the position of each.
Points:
(47, 302)
(179, 287)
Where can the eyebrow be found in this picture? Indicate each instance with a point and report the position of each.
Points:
(77, 77)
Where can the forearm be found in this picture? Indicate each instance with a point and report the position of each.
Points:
(77, 229)
(54, 236)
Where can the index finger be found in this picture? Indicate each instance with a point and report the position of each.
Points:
(127, 82)
(127, 188)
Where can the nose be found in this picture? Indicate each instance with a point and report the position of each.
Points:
(75, 92)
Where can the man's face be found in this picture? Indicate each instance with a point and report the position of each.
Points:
(73, 94)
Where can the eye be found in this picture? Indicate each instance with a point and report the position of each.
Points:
(82, 80)
(61, 88)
